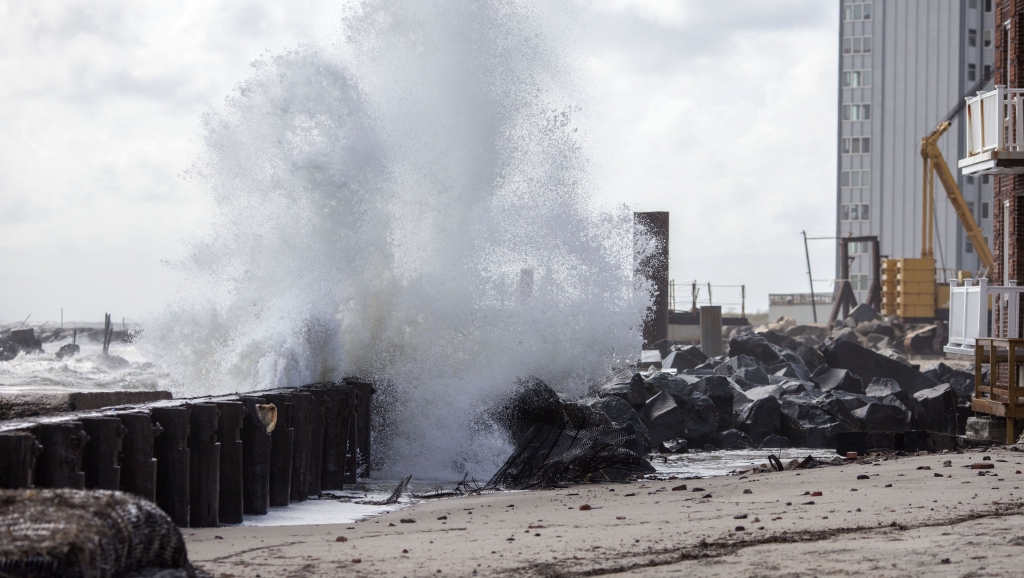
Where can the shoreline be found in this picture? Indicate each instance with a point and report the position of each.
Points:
(900, 521)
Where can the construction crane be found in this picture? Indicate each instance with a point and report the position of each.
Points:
(909, 287)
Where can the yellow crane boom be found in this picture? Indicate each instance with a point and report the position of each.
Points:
(934, 164)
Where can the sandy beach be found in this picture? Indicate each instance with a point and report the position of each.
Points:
(912, 516)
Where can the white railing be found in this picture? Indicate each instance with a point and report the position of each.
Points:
(995, 121)
(968, 313)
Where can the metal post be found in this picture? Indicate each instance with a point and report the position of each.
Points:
(709, 294)
(810, 279)
(743, 301)
(711, 330)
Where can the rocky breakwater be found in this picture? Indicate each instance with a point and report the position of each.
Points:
(772, 390)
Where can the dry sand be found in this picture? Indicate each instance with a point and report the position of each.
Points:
(902, 521)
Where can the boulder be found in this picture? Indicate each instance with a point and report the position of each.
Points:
(775, 441)
(961, 381)
(792, 370)
(880, 417)
(722, 392)
(679, 361)
(862, 313)
(819, 332)
(663, 418)
(811, 357)
(868, 365)
(846, 334)
(923, 341)
(630, 389)
(663, 347)
(852, 401)
(694, 352)
(828, 379)
(935, 409)
(894, 355)
(838, 410)
(621, 413)
(677, 385)
(760, 418)
(755, 346)
(26, 340)
(582, 416)
(701, 418)
(530, 403)
(882, 388)
(649, 358)
(68, 350)
(805, 423)
(678, 446)
(733, 439)
(781, 324)
(743, 367)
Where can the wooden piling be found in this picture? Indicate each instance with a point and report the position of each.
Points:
(316, 440)
(138, 467)
(334, 436)
(99, 456)
(18, 451)
(172, 467)
(229, 426)
(283, 444)
(351, 426)
(204, 466)
(363, 411)
(59, 464)
(302, 408)
(256, 451)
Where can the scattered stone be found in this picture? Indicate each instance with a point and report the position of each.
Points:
(748, 491)
(740, 529)
(982, 466)
(585, 507)
(740, 517)
(863, 477)
(407, 521)
(679, 488)
(341, 539)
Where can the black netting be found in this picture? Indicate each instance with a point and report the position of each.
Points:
(551, 455)
(77, 533)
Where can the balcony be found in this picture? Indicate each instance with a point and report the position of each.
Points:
(995, 133)
(969, 306)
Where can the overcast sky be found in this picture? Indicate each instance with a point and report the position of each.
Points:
(723, 114)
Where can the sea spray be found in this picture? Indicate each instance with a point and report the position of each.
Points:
(411, 206)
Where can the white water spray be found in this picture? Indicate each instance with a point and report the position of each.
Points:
(375, 203)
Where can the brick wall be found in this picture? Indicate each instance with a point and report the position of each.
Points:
(1008, 188)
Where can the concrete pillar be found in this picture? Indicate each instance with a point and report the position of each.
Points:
(655, 268)
(711, 330)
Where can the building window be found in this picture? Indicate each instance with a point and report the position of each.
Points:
(857, 45)
(972, 37)
(986, 39)
(968, 246)
(986, 71)
(860, 282)
(857, 11)
(859, 247)
(972, 72)
(970, 207)
(855, 112)
(984, 179)
(856, 78)
(969, 179)
(984, 210)
(855, 178)
(854, 212)
(857, 145)
(988, 5)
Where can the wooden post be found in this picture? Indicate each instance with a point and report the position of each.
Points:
(172, 462)
(138, 467)
(1012, 375)
(363, 414)
(256, 450)
(316, 440)
(99, 457)
(204, 466)
(302, 408)
(18, 451)
(334, 435)
(59, 464)
(281, 450)
(229, 427)
(979, 357)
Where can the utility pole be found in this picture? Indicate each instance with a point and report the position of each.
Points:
(810, 279)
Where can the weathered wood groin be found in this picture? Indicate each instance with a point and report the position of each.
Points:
(205, 461)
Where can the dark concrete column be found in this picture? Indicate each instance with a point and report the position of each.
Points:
(655, 268)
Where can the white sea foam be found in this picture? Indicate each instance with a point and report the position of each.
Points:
(374, 203)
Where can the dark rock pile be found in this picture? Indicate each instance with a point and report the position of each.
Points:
(776, 390)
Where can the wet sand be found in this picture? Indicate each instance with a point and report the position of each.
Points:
(901, 521)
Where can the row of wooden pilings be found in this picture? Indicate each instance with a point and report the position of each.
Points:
(206, 461)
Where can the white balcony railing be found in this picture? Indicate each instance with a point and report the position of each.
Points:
(995, 121)
(969, 305)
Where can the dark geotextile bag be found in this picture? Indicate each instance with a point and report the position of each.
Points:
(86, 534)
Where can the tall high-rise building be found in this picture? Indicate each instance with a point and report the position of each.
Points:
(903, 66)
